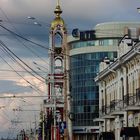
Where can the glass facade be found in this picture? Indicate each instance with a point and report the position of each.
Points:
(101, 42)
(84, 67)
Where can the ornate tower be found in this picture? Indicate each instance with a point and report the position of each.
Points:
(58, 81)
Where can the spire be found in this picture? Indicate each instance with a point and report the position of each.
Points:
(58, 2)
(58, 10)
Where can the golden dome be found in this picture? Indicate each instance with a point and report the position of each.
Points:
(58, 21)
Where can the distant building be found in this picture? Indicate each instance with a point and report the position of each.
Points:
(119, 91)
(87, 50)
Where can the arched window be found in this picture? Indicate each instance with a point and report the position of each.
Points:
(58, 65)
(58, 40)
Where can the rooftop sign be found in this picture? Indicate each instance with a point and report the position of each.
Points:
(84, 35)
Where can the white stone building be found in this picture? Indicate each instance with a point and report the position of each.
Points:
(119, 93)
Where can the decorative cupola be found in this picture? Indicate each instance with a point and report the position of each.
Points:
(58, 22)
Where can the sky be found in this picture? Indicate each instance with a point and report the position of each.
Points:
(14, 78)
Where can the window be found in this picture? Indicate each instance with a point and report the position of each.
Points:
(110, 42)
(80, 109)
(101, 42)
(58, 40)
(97, 43)
(105, 43)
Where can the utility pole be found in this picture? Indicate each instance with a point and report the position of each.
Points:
(43, 134)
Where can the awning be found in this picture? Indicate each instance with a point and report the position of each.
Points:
(129, 132)
(107, 136)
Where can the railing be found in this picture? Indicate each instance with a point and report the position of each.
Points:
(118, 105)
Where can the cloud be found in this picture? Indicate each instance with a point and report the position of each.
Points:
(97, 9)
(13, 87)
(82, 14)
(26, 108)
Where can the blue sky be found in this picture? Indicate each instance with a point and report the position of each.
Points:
(82, 14)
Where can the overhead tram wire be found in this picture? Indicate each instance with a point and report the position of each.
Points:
(28, 40)
(11, 90)
(12, 32)
(21, 71)
(31, 41)
(105, 32)
(38, 66)
(21, 41)
(26, 24)
(32, 51)
(47, 23)
(18, 38)
(31, 96)
(9, 51)
(33, 87)
(25, 46)
(20, 64)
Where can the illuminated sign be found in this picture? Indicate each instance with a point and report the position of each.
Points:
(87, 35)
(84, 35)
(75, 32)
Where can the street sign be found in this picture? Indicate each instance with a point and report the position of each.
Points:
(62, 126)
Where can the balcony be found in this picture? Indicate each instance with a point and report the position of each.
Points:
(131, 102)
(117, 107)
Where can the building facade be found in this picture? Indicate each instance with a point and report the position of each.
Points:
(119, 92)
(87, 50)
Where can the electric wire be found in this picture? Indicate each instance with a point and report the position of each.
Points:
(20, 64)
(21, 71)
(23, 44)
(51, 50)
(12, 32)
(8, 51)
(32, 86)
(18, 38)
(28, 40)
(36, 55)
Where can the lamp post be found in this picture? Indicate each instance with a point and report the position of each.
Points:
(32, 18)
(35, 22)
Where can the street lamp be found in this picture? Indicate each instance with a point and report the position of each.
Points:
(35, 22)
(29, 17)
